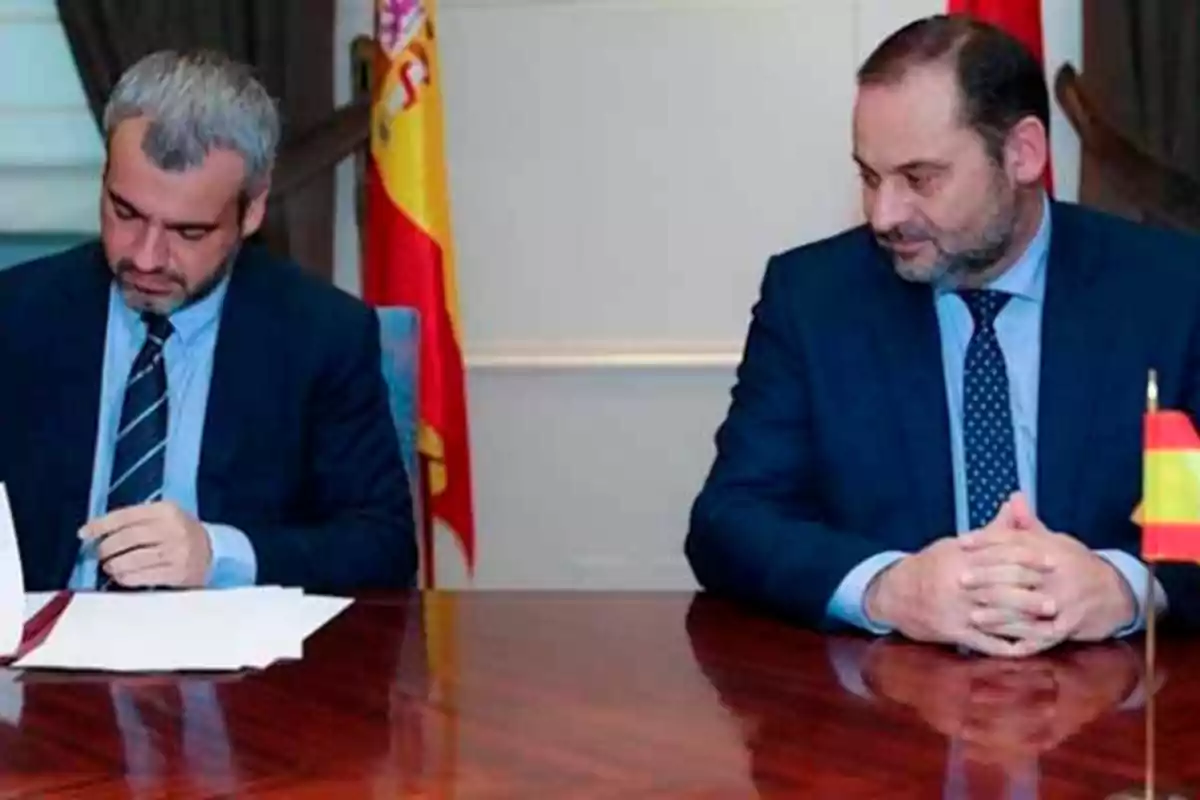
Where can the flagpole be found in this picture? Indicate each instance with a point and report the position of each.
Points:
(1151, 624)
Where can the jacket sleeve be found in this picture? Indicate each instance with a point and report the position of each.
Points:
(362, 535)
(757, 533)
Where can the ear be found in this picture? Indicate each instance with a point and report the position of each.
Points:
(1027, 151)
(256, 211)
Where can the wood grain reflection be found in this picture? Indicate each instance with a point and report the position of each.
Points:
(599, 696)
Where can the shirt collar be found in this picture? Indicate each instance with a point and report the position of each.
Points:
(188, 322)
(1026, 278)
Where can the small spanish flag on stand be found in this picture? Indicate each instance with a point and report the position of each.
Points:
(1170, 518)
(1170, 513)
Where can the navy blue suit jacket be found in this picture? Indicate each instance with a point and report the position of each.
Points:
(298, 451)
(836, 445)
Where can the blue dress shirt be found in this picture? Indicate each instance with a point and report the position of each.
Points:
(189, 360)
(1019, 331)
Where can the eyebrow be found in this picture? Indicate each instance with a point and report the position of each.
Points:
(177, 225)
(908, 166)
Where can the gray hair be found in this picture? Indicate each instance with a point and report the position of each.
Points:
(197, 102)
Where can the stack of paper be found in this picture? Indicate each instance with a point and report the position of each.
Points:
(12, 581)
(151, 631)
(157, 631)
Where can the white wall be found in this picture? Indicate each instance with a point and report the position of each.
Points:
(1062, 23)
(620, 171)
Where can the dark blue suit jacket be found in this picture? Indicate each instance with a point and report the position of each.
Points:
(836, 445)
(299, 450)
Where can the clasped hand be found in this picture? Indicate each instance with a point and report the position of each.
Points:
(1012, 588)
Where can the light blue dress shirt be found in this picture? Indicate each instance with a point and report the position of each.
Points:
(1019, 331)
(189, 360)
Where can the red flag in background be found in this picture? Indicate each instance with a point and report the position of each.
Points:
(1022, 19)
(408, 257)
(408, 260)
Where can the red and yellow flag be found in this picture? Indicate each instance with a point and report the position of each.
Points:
(408, 257)
(1023, 20)
(1170, 510)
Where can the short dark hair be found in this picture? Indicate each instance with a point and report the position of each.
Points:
(1000, 81)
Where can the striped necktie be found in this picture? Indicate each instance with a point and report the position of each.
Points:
(137, 469)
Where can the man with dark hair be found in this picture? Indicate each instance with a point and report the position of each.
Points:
(999, 80)
(973, 361)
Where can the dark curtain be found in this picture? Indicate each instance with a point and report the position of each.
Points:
(290, 45)
(1141, 71)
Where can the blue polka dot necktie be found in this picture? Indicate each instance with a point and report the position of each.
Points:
(988, 441)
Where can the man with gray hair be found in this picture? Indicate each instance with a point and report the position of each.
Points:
(180, 408)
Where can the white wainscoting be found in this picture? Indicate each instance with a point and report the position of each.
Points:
(586, 473)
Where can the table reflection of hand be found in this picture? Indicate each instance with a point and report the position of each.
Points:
(1004, 711)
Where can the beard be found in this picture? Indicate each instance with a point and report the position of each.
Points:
(179, 296)
(961, 256)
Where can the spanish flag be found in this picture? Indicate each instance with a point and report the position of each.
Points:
(408, 257)
(1170, 512)
(408, 260)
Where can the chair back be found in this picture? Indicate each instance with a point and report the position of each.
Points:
(18, 247)
(399, 335)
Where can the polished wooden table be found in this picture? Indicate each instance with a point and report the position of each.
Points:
(605, 696)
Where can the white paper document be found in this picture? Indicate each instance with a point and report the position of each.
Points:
(201, 630)
(36, 601)
(157, 631)
(12, 583)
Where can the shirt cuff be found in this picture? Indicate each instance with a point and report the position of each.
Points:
(848, 603)
(848, 655)
(233, 561)
(1135, 573)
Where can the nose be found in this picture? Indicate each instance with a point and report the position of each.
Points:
(150, 251)
(887, 207)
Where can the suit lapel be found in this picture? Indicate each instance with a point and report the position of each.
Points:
(75, 350)
(906, 332)
(239, 354)
(1076, 348)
